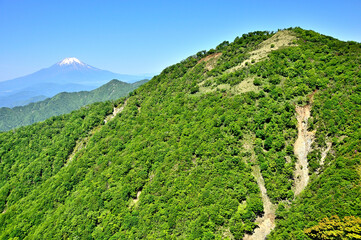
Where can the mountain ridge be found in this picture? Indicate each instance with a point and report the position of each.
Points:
(179, 161)
(70, 74)
(63, 103)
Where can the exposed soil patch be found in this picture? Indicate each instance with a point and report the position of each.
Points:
(6, 208)
(324, 152)
(267, 222)
(80, 144)
(209, 57)
(226, 233)
(277, 41)
(210, 60)
(302, 147)
(116, 110)
(245, 86)
(135, 200)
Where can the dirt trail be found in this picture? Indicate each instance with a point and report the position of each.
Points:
(267, 222)
(80, 144)
(135, 200)
(324, 153)
(281, 39)
(6, 208)
(302, 147)
(116, 110)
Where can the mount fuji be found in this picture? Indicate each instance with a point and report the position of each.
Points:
(68, 75)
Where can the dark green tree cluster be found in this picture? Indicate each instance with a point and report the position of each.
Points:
(174, 163)
(32, 155)
(334, 71)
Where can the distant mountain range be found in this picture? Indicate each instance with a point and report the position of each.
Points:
(62, 103)
(68, 75)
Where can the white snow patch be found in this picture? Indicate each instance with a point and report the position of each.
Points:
(68, 61)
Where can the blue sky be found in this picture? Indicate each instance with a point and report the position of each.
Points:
(137, 37)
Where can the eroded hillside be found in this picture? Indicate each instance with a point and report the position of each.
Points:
(205, 150)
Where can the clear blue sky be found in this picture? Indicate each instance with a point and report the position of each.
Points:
(137, 37)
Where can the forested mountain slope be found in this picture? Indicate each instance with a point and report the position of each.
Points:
(63, 103)
(201, 151)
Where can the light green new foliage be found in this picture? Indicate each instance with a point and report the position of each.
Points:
(179, 152)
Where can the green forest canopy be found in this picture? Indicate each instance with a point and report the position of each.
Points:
(172, 164)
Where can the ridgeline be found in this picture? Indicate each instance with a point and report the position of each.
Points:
(62, 103)
(201, 151)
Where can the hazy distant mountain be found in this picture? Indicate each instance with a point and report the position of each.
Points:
(63, 103)
(69, 75)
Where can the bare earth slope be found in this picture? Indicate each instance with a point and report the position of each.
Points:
(302, 147)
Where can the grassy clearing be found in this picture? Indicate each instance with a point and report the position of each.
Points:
(280, 40)
(243, 87)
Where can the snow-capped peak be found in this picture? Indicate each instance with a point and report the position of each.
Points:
(68, 61)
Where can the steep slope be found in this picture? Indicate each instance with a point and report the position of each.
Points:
(334, 159)
(62, 103)
(302, 147)
(186, 156)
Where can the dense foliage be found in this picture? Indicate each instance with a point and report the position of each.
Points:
(31, 155)
(332, 67)
(176, 162)
(336, 228)
(62, 103)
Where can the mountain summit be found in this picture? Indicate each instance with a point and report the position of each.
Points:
(68, 61)
(73, 63)
(68, 75)
(258, 138)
